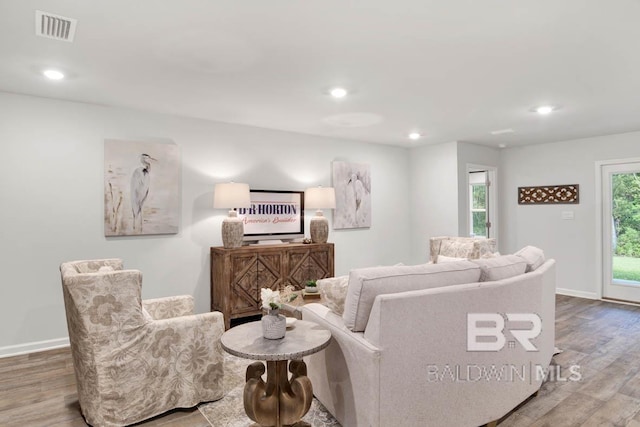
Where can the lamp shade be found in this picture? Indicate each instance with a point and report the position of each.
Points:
(320, 198)
(231, 195)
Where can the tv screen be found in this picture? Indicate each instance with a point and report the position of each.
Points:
(273, 214)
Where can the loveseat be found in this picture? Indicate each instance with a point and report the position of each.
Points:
(402, 353)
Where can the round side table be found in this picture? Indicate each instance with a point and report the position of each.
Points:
(279, 401)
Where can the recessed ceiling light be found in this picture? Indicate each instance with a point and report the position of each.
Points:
(53, 74)
(501, 131)
(545, 109)
(415, 135)
(338, 92)
(502, 145)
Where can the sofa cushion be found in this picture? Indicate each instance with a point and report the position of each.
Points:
(490, 255)
(333, 291)
(367, 283)
(442, 258)
(501, 267)
(534, 257)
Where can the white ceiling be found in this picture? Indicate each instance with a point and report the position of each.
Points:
(453, 70)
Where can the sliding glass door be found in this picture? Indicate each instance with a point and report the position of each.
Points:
(621, 231)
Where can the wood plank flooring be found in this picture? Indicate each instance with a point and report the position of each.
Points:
(602, 338)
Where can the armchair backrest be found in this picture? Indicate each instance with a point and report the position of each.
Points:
(102, 304)
(101, 299)
(464, 247)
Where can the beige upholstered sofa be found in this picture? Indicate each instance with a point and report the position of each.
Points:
(460, 247)
(136, 359)
(400, 353)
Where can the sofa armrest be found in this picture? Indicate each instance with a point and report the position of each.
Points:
(168, 307)
(322, 314)
(346, 375)
(425, 333)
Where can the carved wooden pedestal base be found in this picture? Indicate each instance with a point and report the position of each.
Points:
(278, 402)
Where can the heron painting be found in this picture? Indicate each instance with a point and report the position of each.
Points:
(141, 188)
(352, 183)
(140, 180)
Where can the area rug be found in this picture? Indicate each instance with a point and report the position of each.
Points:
(229, 411)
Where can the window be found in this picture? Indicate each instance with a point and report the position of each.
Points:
(478, 204)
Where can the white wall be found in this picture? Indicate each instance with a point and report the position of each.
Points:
(571, 242)
(439, 199)
(434, 196)
(52, 202)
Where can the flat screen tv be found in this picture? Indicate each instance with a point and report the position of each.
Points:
(273, 214)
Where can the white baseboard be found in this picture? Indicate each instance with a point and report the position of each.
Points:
(579, 294)
(32, 347)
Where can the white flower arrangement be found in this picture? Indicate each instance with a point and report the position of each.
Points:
(270, 299)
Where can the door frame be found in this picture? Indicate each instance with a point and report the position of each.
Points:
(599, 171)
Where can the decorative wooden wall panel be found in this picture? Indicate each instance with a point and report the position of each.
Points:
(549, 195)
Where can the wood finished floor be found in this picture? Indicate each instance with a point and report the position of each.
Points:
(603, 338)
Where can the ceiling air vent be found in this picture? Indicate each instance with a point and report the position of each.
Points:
(55, 26)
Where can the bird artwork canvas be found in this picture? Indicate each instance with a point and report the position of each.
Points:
(141, 188)
(352, 183)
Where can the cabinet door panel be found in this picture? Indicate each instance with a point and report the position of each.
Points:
(244, 287)
(298, 268)
(238, 274)
(309, 264)
(319, 264)
(270, 273)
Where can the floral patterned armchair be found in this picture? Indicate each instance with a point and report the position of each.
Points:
(136, 359)
(461, 247)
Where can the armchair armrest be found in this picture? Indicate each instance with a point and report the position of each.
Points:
(168, 307)
(158, 361)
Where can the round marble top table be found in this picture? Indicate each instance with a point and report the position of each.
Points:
(279, 401)
(303, 338)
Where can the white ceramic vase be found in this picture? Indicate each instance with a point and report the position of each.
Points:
(274, 325)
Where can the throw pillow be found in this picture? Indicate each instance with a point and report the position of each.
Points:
(501, 267)
(534, 257)
(483, 247)
(490, 255)
(105, 269)
(456, 248)
(442, 258)
(333, 292)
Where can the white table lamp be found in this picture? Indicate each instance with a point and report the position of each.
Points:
(319, 198)
(232, 195)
